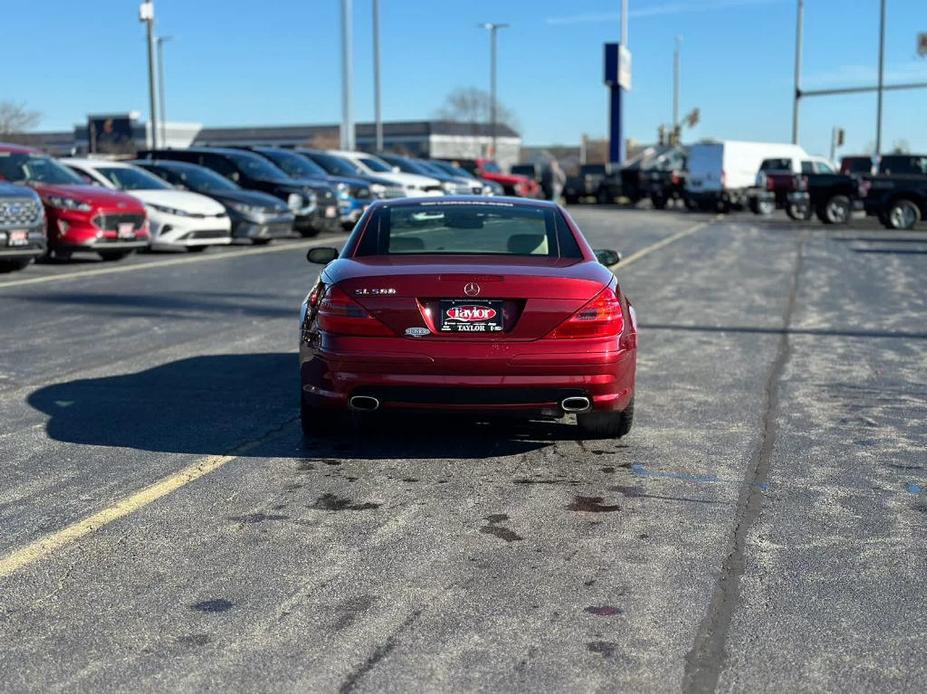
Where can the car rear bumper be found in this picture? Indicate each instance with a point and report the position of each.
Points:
(480, 376)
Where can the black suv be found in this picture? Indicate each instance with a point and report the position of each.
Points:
(314, 203)
(22, 227)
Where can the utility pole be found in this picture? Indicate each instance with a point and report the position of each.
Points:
(161, 106)
(799, 31)
(146, 15)
(676, 78)
(881, 85)
(347, 117)
(377, 116)
(493, 28)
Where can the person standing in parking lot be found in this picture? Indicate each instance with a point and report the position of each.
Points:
(557, 180)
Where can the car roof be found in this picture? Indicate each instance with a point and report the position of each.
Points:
(167, 163)
(18, 149)
(95, 163)
(497, 201)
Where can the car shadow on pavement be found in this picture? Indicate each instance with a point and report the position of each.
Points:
(248, 404)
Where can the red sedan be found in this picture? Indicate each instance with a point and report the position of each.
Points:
(80, 217)
(468, 304)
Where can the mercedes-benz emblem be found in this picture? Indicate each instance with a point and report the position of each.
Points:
(471, 289)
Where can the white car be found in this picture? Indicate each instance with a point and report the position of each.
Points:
(370, 165)
(177, 218)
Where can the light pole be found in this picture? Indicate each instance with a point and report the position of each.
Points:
(146, 15)
(162, 108)
(676, 78)
(493, 28)
(799, 31)
(347, 116)
(881, 86)
(377, 116)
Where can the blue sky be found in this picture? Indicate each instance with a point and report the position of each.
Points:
(238, 62)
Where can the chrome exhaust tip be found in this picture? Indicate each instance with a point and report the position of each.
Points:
(578, 403)
(364, 403)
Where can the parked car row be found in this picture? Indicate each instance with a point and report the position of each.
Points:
(732, 175)
(197, 197)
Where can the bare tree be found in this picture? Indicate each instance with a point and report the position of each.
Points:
(16, 118)
(474, 106)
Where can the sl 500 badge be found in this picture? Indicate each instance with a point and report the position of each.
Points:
(417, 331)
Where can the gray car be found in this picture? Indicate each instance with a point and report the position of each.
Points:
(22, 227)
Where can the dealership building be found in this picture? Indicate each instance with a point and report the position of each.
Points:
(440, 139)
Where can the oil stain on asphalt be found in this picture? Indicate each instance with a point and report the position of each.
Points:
(333, 502)
(591, 504)
(214, 605)
(503, 533)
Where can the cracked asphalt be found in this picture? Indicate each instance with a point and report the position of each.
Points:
(763, 525)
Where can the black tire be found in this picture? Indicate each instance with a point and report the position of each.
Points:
(763, 208)
(14, 265)
(196, 249)
(658, 201)
(571, 199)
(902, 215)
(606, 425)
(601, 197)
(836, 210)
(260, 242)
(110, 256)
(798, 214)
(308, 233)
(690, 204)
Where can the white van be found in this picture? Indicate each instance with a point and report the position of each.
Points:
(721, 175)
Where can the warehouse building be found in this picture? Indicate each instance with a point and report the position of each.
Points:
(122, 133)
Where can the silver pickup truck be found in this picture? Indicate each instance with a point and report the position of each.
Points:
(22, 227)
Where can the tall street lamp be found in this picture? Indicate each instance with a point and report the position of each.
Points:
(147, 16)
(347, 73)
(377, 115)
(493, 28)
(162, 108)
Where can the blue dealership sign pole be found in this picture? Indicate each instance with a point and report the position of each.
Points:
(618, 80)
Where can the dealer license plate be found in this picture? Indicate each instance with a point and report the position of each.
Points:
(469, 316)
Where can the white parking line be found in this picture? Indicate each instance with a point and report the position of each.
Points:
(186, 260)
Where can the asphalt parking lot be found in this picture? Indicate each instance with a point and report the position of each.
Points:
(165, 527)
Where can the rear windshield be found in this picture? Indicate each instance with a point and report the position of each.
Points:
(776, 165)
(903, 165)
(443, 228)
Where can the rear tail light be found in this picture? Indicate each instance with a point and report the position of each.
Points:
(601, 317)
(339, 314)
(864, 187)
(676, 179)
(723, 178)
(770, 183)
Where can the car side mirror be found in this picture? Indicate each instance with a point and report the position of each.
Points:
(607, 257)
(322, 256)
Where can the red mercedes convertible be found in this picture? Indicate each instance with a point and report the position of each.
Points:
(468, 304)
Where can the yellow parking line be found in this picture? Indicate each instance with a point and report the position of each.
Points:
(644, 252)
(49, 544)
(187, 260)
